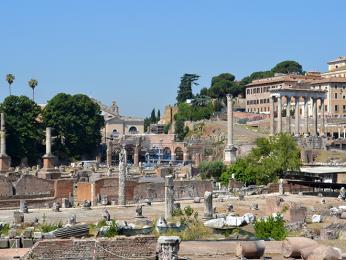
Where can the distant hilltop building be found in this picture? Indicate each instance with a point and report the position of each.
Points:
(117, 125)
(336, 68)
(258, 92)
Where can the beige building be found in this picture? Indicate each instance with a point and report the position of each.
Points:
(336, 68)
(335, 104)
(117, 125)
(258, 91)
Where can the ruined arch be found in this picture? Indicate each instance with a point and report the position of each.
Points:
(133, 130)
(179, 154)
(167, 154)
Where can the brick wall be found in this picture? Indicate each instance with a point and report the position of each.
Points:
(29, 185)
(107, 249)
(5, 188)
(83, 191)
(63, 188)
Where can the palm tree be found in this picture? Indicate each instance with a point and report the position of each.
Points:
(10, 78)
(32, 84)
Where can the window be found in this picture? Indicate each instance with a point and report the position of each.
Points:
(336, 95)
(344, 108)
(336, 108)
(326, 108)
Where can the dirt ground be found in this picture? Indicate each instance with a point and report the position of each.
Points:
(193, 249)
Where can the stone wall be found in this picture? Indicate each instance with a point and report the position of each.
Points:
(63, 188)
(6, 190)
(136, 191)
(143, 247)
(31, 186)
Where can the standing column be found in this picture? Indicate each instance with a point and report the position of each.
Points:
(314, 116)
(169, 196)
(122, 178)
(344, 133)
(339, 133)
(3, 135)
(322, 117)
(48, 141)
(272, 131)
(208, 205)
(136, 156)
(279, 114)
(296, 100)
(288, 114)
(229, 121)
(306, 116)
(109, 154)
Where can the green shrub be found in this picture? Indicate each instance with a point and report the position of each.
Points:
(177, 212)
(113, 230)
(188, 211)
(101, 223)
(45, 227)
(4, 229)
(271, 228)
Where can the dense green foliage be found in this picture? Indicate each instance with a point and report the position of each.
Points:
(185, 87)
(269, 158)
(287, 67)
(76, 121)
(224, 84)
(271, 228)
(211, 169)
(23, 128)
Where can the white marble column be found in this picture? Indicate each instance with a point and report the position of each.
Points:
(279, 114)
(48, 141)
(296, 100)
(3, 135)
(288, 114)
(306, 116)
(322, 133)
(344, 133)
(272, 131)
(229, 121)
(339, 133)
(314, 116)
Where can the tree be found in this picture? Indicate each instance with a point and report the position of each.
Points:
(77, 120)
(10, 79)
(267, 160)
(211, 169)
(287, 67)
(224, 84)
(180, 129)
(33, 84)
(153, 116)
(158, 117)
(185, 87)
(24, 129)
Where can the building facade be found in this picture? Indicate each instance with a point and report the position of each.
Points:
(336, 68)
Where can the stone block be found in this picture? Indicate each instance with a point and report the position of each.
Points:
(14, 242)
(27, 242)
(4, 243)
(38, 235)
(18, 217)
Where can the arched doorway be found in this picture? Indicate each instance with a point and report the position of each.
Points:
(133, 130)
(166, 156)
(179, 154)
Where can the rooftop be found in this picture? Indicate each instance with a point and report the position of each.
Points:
(329, 80)
(339, 59)
(285, 78)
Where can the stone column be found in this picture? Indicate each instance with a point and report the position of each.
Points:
(288, 114)
(5, 160)
(306, 116)
(322, 118)
(172, 156)
(109, 154)
(208, 205)
(169, 196)
(122, 178)
(344, 130)
(48, 141)
(281, 187)
(314, 116)
(136, 155)
(230, 152)
(185, 156)
(168, 247)
(3, 135)
(279, 114)
(272, 131)
(296, 100)
(339, 133)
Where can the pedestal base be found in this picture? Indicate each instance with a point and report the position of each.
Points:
(49, 174)
(5, 163)
(230, 154)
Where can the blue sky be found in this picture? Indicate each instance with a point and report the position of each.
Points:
(134, 52)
